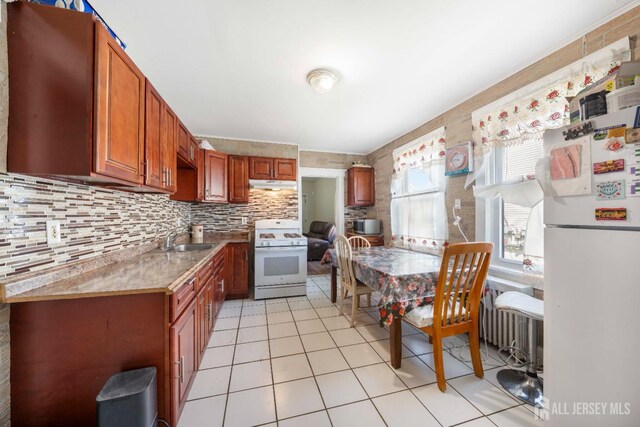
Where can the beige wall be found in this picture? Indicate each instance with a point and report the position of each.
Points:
(320, 159)
(321, 193)
(252, 148)
(458, 119)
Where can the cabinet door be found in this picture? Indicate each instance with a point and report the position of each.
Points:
(238, 179)
(202, 321)
(169, 147)
(284, 169)
(260, 168)
(200, 179)
(183, 141)
(238, 270)
(215, 182)
(119, 113)
(183, 335)
(153, 132)
(193, 150)
(211, 305)
(361, 187)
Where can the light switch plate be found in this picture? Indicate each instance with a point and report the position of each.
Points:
(244, 220)
(53, 232)
(456, 204)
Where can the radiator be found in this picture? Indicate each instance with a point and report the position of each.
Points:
(499, 328)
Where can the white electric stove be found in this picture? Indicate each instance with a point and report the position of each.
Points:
(280, 259)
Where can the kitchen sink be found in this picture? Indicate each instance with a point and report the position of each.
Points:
(192, 247)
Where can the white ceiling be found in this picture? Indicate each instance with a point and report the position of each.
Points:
(236, 68)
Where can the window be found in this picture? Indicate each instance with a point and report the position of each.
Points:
(511, 219)
(508, 134)
(418, 211)
(517, 161)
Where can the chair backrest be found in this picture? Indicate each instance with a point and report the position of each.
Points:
(345, 260)
(459, 289)
(358, 242)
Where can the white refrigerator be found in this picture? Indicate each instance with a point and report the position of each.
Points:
(592, 277)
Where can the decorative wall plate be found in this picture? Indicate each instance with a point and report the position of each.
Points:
(459, 159)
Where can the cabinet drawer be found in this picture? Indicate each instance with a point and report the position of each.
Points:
(205, 272)
(183, 297)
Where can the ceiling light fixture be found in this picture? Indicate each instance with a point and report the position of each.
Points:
(321, 80)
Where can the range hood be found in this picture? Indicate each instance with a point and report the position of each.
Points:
(270, 184)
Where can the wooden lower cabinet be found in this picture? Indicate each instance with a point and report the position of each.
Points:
(64, 351)
(184, 358)
(237, 270)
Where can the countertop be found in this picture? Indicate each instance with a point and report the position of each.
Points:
(148, 272)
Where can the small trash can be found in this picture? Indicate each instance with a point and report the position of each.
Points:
(128, 399)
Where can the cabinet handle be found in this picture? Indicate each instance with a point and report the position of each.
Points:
(146, 168)
(181, 369)
(246, 256)
(210, 310)
(170, 177)
(222, 285)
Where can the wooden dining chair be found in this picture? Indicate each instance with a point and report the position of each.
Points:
(358, 242)
(347, 277)
(455, 309)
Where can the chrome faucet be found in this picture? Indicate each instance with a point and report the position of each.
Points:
(169, 242)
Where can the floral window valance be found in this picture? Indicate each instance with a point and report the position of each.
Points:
(546, 106)
(421, 153)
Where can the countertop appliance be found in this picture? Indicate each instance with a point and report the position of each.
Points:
(280, 259)
(592, 284)
(366, 226)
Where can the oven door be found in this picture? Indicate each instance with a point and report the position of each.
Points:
(280, 265)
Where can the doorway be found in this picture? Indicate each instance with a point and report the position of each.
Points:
(318, 201)
(321, 198)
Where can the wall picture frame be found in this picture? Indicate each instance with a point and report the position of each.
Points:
(459, 159)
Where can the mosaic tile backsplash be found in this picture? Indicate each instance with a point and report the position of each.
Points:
(93, 221)
(263, 204)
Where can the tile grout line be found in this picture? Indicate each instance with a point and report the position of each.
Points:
(339, 348)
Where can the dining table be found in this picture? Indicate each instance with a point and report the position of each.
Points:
(405, 279)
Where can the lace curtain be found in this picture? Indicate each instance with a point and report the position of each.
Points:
(418, 210)
(545, 106)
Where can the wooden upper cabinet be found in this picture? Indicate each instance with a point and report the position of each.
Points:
(361, 186)
(215, 177)
(193, 150)
(153, 171)
(168, 149)
(119, 115)
(160, 142)
(284, 169)
(260, 168)
(238, 179)
(272, 168)
(183, 141)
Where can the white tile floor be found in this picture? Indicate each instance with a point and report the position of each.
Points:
(296, 362)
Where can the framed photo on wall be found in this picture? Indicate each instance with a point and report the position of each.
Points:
(459, 159)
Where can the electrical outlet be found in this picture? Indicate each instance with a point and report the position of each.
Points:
(456, 204)
(53, 232)
(244, 220)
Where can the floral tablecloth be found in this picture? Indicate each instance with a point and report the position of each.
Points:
(405, 279)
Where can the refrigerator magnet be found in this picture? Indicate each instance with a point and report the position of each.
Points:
(632, 136)
(608, 166)
(564, 162)
(611, 214)
(610, 190)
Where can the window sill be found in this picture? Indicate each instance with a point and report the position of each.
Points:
(511, 277)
